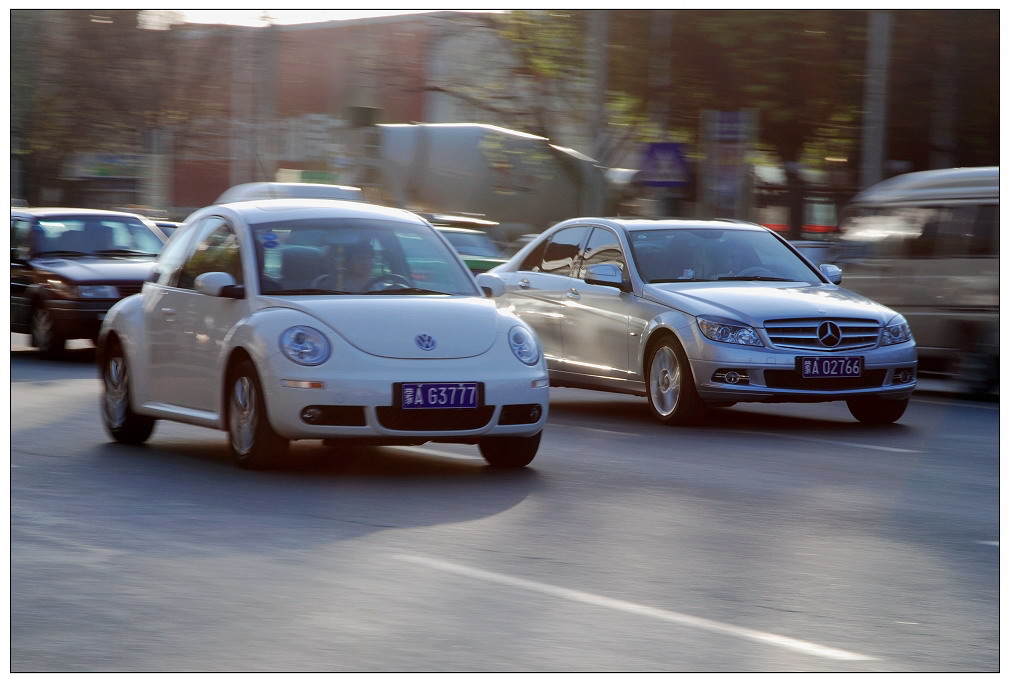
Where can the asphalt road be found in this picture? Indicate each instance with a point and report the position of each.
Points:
(777, 538)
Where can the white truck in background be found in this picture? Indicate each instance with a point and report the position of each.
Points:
(521, 181)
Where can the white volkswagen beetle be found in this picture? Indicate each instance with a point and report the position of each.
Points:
(279, 320)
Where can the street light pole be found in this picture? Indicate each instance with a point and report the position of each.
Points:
(878, 51)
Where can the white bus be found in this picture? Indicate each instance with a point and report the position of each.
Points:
(927, 245)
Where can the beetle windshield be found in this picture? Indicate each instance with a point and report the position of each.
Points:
(679, 255)
(356, 256)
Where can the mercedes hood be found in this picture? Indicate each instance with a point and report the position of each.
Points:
(755, 302)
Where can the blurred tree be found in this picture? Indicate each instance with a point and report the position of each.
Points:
(94, 81)
(944, 101)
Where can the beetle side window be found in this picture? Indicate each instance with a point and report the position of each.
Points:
(603, 247)
(217, 252)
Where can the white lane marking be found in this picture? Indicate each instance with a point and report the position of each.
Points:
(989, 542)
(829, 442)
(642, 610)
(765, 433)
(438, 453)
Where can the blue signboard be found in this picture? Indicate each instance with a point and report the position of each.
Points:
(664, 166)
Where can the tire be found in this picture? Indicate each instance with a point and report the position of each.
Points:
(511, 452)
(253, 442)
(121, 422)
(673, 398)
(873, 410)
(44, 334)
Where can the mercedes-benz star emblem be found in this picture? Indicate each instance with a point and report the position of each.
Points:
(829, 334)
(425, 342)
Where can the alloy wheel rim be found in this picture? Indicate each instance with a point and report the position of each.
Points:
(242, 421)
(116, 391)
(665, 381)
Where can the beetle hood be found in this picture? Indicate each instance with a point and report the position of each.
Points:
(408, 327)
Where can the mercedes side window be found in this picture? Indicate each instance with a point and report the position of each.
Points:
(561, 251)
(534, 259)
(603, 247)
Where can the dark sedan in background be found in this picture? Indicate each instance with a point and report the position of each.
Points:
(70, 265)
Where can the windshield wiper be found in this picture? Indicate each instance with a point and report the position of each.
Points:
(125, 252)
(61, 252)
(313, 292)
(756, 278)
(406, 290)
(678, 279)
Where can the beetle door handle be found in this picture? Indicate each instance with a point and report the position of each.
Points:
(573, 293)
(524, 283)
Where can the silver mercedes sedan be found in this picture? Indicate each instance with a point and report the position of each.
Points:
(701, 314)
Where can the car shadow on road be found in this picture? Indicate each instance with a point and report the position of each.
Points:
(631, 413)
(320, 495)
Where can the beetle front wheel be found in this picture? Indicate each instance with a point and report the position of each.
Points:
(254, 443)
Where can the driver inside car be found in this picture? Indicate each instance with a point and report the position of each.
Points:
(738, 261)
(358, 267)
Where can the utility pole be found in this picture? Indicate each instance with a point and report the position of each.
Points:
(878, 51)
(596, 52)
(941, 127)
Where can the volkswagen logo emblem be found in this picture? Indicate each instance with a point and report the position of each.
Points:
(829, 334)
(425, 342)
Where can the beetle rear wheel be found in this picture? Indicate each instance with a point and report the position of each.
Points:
(122, 423)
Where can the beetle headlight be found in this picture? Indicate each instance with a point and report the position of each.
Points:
(897, 331)
(305, 345)
(729, 332)
(524, 345)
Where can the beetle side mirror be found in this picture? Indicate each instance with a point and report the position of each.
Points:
(606, 274)
(832, 272)
(492, 285)
(219, 284)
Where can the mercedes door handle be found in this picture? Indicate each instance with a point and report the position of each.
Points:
(524, 283)
(168, 313)
(573, 293)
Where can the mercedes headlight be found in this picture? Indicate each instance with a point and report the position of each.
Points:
(305, 345)
(727, 331)
(524, 345)
(897, 331)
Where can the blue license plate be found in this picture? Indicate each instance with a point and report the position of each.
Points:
(825, 367)
(439, 396)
